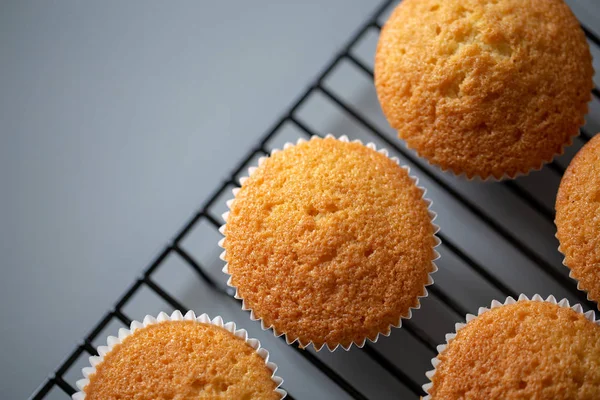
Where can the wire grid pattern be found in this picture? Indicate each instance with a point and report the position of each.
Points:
(414, 334)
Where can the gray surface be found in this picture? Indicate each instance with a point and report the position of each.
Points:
(119, 119)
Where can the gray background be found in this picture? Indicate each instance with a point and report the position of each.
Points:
(117, 119)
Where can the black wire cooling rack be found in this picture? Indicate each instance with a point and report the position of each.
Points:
(497, 241)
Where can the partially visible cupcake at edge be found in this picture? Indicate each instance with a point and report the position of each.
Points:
(181, 358)
(330, 243)
(578, 218)
(524, 350)
(486, 88)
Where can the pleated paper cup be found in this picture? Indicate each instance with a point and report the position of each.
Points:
(589, 315)
(572, 276)
(112, 341)
(291, 340)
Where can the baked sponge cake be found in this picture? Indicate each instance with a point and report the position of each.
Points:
(578, 218)
(488, 88)
(330, 243)
(526, 350)
(181, 359)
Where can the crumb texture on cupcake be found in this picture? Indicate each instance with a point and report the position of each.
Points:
(330, 242)
(578, 217)
(526, 350)
(484, 87)
(181, 360)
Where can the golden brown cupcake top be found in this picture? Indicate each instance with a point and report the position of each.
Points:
(527, 350)
(181, 360)
(578, 217)
(330, 242)
(484, 87)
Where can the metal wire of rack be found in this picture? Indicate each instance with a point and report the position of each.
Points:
(482, 280)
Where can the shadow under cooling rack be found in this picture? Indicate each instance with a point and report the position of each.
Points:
(497, 241)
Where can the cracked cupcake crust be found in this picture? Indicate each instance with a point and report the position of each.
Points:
(329, 242)
(488, 88)
(578, 218)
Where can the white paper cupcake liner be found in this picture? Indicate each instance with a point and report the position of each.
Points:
(112, 341)
(589, 315)
(564, 262)
(360, 344)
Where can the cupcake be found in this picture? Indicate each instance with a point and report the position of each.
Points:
(485, 88)
(578, 218)
(180, 357)
(329, 242)
(526, 349)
